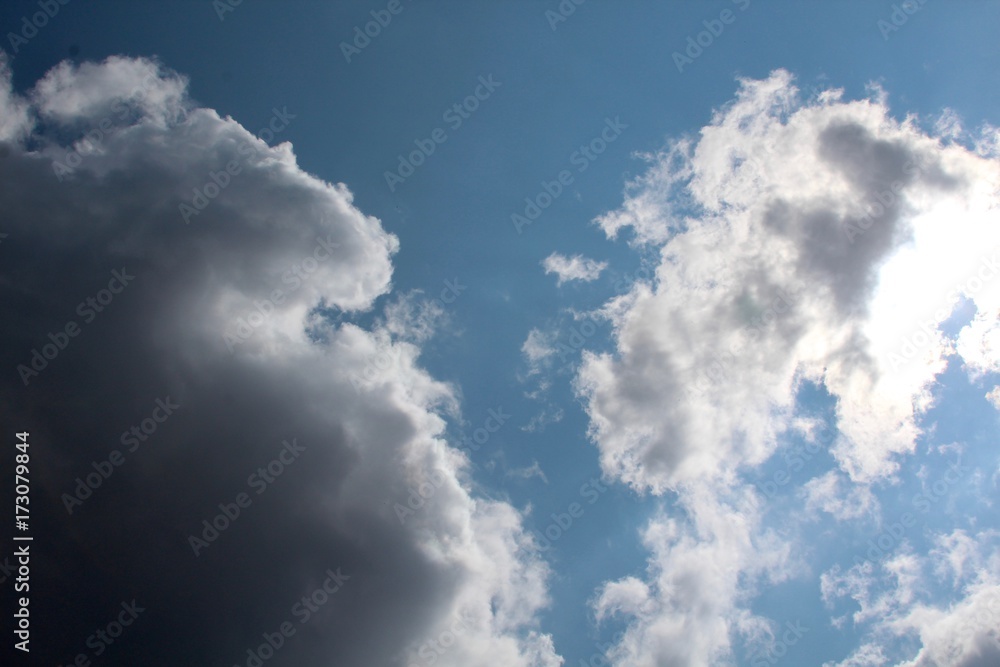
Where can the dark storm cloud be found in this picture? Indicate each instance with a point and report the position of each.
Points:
(138, 304)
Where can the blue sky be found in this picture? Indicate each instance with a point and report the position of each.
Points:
(609, 379)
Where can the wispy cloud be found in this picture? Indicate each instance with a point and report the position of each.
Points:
(576, 267)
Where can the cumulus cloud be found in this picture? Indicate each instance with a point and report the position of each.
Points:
(413, 317)
(894, 603)
(993, 396)
(979, 344)
(538, 346)
(576, 267)
(789, 268)
(15, 121)
(794, 238)
(833, 494)
(691, 608)
(223, 316)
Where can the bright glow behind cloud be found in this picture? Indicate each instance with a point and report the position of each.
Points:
(789, 268)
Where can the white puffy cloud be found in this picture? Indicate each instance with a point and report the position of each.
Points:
(15, 122)
(223, 316)
(835, 495)
(576, 267)
(73, 94)
(413, 317)
(795, 237)
(702, 570)
(892, 599)
(538, 346)
(993, 396)
(979, 344)
(788, 268)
